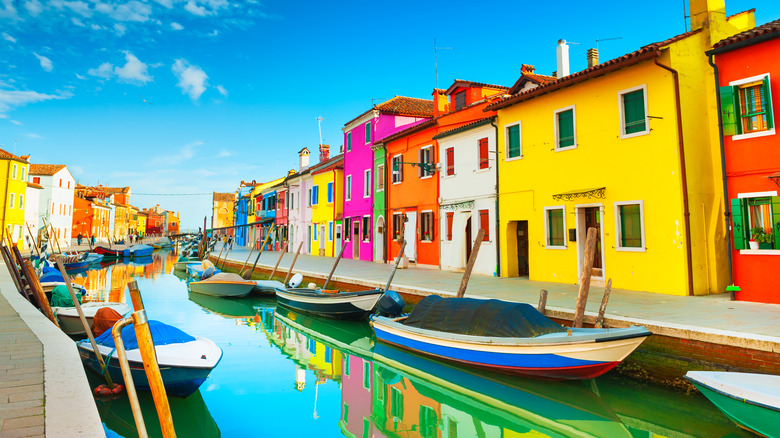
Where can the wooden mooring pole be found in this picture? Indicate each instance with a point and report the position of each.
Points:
(464, 282)
(587, 272)
(327, 282)
(395, 266)
(276, 266)
(542, 301)
(248, 274)
(292, 265)
(603, 307)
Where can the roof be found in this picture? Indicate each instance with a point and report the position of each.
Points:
(224, 197)
(328, 165)
(527, 75)
(402, 106)
(407, 131)
(466, 127)
(35, 186)
(45, 169)
(767, 31)
(464, 83)
(9, 156)
(645, 53)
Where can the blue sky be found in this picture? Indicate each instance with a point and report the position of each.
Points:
(190, 96)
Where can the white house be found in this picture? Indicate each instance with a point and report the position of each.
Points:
(31, 212)
(55, 205)
(298, 214)
(467, 190)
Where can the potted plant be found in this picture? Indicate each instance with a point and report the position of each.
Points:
(760, 238)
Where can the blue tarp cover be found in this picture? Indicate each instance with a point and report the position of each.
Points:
(469, 316)
(162, 334)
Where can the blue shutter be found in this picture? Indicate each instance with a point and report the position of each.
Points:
(330, 192)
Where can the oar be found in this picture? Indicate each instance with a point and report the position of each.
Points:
(287, 277)
(251, 250)
(281, 254)
(327, 282)
(248, 274)
(395, 267)
(65, 278)
(35, 242)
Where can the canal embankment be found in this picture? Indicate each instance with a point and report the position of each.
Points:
(43, 385)
(703, 332)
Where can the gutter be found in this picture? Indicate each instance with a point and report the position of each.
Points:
(740, 44)
(498, 221)
(683, 174)
(727, 210)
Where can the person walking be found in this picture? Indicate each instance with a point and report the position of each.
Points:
(230, 243)
(78, 239)
(93, 240)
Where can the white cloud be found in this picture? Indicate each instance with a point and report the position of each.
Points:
(194, 9)
(34, 7)
(167, 3)
(9, 38)
(7, 10)
(224, 153)
(130, 11)
(78, 22)
(185, 153)
(78, 7)
(96, 27)
(176, 26)
(105, 71)
(45, 62)
(34, 135)
(16, 122)
(80, 76)
(213, 33)
(192, 79)
(3, 116)
(222, 90)
(15, 98)
(119, 29)
(133, 70)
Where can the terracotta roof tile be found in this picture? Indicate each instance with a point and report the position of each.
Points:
(45, 169)
(8, 155)
(768, 28)
(35, 186)
(407, 131)
(224, 197)
(402, 106)
(464, 83)
(328, 165)
(466, 127)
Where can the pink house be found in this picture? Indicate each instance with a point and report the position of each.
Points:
(356, 396)
(360, 134)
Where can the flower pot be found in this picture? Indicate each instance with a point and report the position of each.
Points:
(753, 244)
(767, 245)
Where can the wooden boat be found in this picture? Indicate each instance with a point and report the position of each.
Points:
(330, 304)
(196, 270)
(114, 252)
(140, 250)
(267, 287)
(90, 257)
(508, 337)
(223, 285)
(69, 320)
(49, 286)
(185, 361)
(750, 400)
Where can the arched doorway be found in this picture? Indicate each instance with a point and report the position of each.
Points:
(379, 239)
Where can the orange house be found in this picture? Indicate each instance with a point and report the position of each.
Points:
(413, 187)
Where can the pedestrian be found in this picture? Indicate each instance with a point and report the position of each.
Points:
(93, 240)
(230, 243)
(78, 239)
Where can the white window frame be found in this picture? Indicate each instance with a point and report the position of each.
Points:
(349, 141)
(433, 226)
(370, 132)
(13, 174)
(367, 183)
(11, 200)
(309, 192)
(618, 236)
(332, 186)
(430, 146)
(747, 81)
(24, 173)
(21, 201)
(392, 172)
(382, 174)
(547, 228)
(392, 224)
(348, 189)
(318, 195)
(506, 140)
(363, 228)
(557, 131)
(623, 134)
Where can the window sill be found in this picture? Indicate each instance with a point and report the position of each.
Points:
(426, 241)
(556, 247)
(629, 249)
(753, 134)
(567, 148)
(513, 158)
(759, 251)
(624, 136)
(426, 177)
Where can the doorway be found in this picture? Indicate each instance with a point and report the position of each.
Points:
(469, 243)
(590, 216)
(323, 241)
(379, 240)
(338, 236)
(308, 246)
(522, 248)
(356, 238)
(410, 235)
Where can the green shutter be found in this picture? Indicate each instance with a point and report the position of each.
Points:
(737, 225)
(630, 226)
(368, 132)
(737, 109)
(634, 111)
(727, 110)
(776, 219)
(768, 104)
(566, 129)
(514, 141)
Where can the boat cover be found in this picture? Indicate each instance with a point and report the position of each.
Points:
(491, 318)
(104, 319)
(60, 297)
(162, 334)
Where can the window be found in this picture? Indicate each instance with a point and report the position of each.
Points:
(24, 174)
(349, 141)
(36, 180)
(366, 427)
(513, 144)
(565, 132)
(13, 173)
(428, 422)
(753, 216)
(450, 217)
(368, 132)
(633, 112)
(13, 198)
(483, 159)
(380, 177)
(68, 184)
(452, 428)
(398, 222)
(398, 169)
(426, 226)
(309, 199)
(21, 202)
(346, 413)
(396, 403)
(555, 227)
(367, 183)
(366, 374)
(629, 223)
(449, 161)
(746, 106)
(315, 195)
(484, 224)
(366, 229)
(347, 223)
(425, 156)
(330, 192)
(314, 230)
(348, 188)
(346, 364)
(330, 231)
(460, 100)
(60, 183)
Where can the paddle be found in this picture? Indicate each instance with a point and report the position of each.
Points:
(248, 274)
(287, 277)
(395, 267)
(327, 282)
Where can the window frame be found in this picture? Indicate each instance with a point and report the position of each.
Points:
(331, 195)
(400, 171)
(558, 131)
(348, 188)
(547, 244)
(736, 84)
(330, 231)
(519, 139)
(367, 183)
(15, 171)
(421, 172)
(621, 109)
(11, 200)
(315, 195)
(449, 165)
(24, 173)
(618, 226)
(449, 220)
(349, 141)
(397, 231)
(365, 231)
(21, 201)
(380, 178)
(368, 132)
(431, 224)
(309, 193)
(486, 237)
(479, 167)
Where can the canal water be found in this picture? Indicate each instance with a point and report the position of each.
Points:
(284, 374)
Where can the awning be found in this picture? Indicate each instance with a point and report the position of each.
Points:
(598, 193)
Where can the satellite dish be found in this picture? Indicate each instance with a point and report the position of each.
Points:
(296, 281)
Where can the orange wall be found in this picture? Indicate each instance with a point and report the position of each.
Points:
(82, 212)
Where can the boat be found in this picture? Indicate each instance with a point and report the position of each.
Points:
(330, 304)
(140, 250)
(182, 265)
(223, 285)
(114, 252)
(49, 286)
(508, 337)
(267, 287)
(94, 257)
(69, 320)
(750, 400)
(196, 270)
(185, 361)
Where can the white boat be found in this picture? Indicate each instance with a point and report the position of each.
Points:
(223, 285)
(69, 320)
(267, 287)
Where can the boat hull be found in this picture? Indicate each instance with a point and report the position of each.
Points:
(559, 360)
(69, 320)
(353, 305)
(266, 287)
(222, 288)
(109, 253)
(77, 265)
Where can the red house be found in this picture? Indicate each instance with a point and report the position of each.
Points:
(748, 75)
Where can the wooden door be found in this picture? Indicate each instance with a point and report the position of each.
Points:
(356, 238)
(522, 248)
(593, 219)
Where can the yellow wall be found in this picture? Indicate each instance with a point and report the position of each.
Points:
(325, 212)
(13, 218)
(141, 225)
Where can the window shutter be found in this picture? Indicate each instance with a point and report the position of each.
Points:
(566, 129)
(737, 109)
(420, 159)
(737, 226)
(768, 107)
(634, 111)
(400, 168)
(483, 153)
(450, 217)
(727, 110)
(776, 219)
(368, 132)
(484, 223)
(450, 161)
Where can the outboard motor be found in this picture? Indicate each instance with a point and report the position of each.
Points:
(391, 304)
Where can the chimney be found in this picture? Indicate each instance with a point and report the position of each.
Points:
(527, 68)
(440, 103)
(324, 152)
(303, 159)
(593, 57)
(554, 74)
(562, 53)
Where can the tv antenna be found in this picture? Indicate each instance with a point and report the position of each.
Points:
(374, 99)
(436, 61)
(319, 125)
(606, 39)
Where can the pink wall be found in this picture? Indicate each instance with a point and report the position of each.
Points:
(355, 394)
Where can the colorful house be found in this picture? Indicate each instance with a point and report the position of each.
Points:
(361, 234)
(13, 183)
(56, 200)
(31, 205)
(299, 211)
(242, 211)
(356, 390)
(413, 188)
(282, 211)
(640, 164)
(399, 407)
(326, 195)
(748, 75)
(380, 202)
(222, 211)
(143, 218)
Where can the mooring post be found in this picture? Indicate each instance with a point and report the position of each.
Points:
(464, 282)
(276, 266)
(603, 308)
(327, 282)
(292, 265)
(542, 301)
(587, 271)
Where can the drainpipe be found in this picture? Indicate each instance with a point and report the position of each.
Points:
(683, 175)
(498, 222)
(729, 245)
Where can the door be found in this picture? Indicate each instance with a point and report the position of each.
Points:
(410, 235)
(356, 238)
(338, 237)
(593, 219)
(379, 240)
(469, 243)
(323, 241)
(308, 245)
(522, 248)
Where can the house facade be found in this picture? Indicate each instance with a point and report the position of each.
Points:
(222, 211)
(56, 200)
(298, 214)
(380, 203)
(242, 212)
(326, 195)
(13, 183)
(748, 88)
(31, 204)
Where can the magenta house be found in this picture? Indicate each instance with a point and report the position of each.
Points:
(356, 396)
(360, 134)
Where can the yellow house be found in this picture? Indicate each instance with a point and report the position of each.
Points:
(629, 147)
(121, 221)
(327, 200)
(325, 360)
(141, 223)
(13, 184)
(255, 233)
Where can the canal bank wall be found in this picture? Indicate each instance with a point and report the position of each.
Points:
(689, 333)
(43, 389)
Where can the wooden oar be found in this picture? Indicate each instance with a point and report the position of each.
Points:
(327, 282)
(248, 274)
(397, 262)
(276, 266)
(14, 272)
(37, 290)
(246, 262)
(289, 272)
(35, 242)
